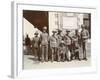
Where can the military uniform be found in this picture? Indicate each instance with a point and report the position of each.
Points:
(59, 39)
(44, 38)
(68, 43)
(62, 50)
(53, 46)
(84, 37)
(35, 46)
(76, 47)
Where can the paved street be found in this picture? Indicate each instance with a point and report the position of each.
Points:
(29, 63)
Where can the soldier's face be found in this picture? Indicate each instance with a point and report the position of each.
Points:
(54, 33)
(36, 35)
(67, 33)
(83, 28)
(59, 32)
(44, 30)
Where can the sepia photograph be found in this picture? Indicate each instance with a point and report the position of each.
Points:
(53, 40)
(56, 39)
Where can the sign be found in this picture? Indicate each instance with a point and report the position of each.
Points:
(70, 23)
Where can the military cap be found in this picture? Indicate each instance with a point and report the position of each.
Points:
(36, 33)
(67, 30)
(54, 31)
(59, 30)
(45, 28)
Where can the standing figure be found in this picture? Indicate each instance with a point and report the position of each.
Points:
(44, 38)
(28, 45)
(59, 39)
(35, 46)
(68, 43)
(84, 37)
(53, 45)
(76, 46)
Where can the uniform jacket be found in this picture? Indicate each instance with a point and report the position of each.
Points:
(53, 41)
(59, 39)
(35, 42)
(68, 40)
(84, 34)
(44, 38)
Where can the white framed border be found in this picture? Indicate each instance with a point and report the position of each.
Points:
(17, 55)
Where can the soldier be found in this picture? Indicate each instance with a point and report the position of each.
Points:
(53, 45)
(28, 44)
(44, 38)
(35, 45)
(68, 43)
(62, 50)
(76, 46)
(59, 39)
(84, 37)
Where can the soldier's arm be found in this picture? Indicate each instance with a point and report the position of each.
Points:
(87, 34)
(40, 39)
(48, 38)
(32, 42)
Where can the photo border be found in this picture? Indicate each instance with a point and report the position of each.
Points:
(16, 66)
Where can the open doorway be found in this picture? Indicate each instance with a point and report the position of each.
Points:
(37, 19)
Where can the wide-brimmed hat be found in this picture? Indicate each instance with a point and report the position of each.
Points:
(62, 43)
(59, 30)
(54, 31)
(67, 31)
(44, 28)
(36, 33)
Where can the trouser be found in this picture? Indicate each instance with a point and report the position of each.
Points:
(63, 56)
(53, 52)
(69, 54)
(84, 49)
(36, 53)
(44, 49)
(28, 50)
(77, 55)
(58, 55)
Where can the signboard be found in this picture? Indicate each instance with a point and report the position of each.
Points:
(70, 22)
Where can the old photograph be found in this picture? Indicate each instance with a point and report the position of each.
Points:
(54, 39)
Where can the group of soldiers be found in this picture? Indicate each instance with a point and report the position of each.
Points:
(57, 47)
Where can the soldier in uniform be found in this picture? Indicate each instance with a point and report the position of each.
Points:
(76, 46)
(62, 50)
(84, 37)
(59, 39)
(35, 46)
(44, 38)
(68, 43)
(53, 45)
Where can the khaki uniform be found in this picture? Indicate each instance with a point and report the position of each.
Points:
(68, 43)
(76, 47)
(44, 38)
(53, 46)
(35, 46)
(62, 51)
(59, 39)
(84, 37)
